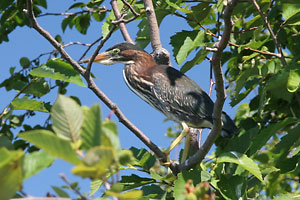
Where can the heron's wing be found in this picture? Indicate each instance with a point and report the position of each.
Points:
(180, 93)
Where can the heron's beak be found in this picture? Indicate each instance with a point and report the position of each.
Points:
(102, 58)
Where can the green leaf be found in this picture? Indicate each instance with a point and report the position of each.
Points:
(232, 187)
(42, 3)
(91, 127)
(29, 104)
(241, 160)
(262, 138)
(59, 70)
(52, 144)
(290, 10)
(5, 4)
(183, 177)
(69, 20)
(11, 175)
(293, 82)
(38, 87)
(135, 181)
(67, 118)
(24, 62)
(288, 196)
(82, 23)
(60, 192)
(184, 42)
(145, 159)
(96, 163)
(133, 194)
(177, 7)
(152, 192)
(95, 185)
(109, 135)
(36, 161)
(199, 57)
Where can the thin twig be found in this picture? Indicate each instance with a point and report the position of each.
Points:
(130, 8)
(208, 32)
(74, 13)
(268, 25)
(217, 68)
(91, 45)
(122, 25)
(66, 180)
(92, 85)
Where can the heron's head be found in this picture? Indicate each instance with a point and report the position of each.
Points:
(126, 53)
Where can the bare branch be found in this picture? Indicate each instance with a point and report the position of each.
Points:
(74, 13)
(277, 43)
(152, 21)
(92, 85)
(130, 8)
(217, 68)
(122, 26)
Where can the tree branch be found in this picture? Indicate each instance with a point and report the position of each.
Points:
(276, 42)
(122, 25)
(92, 85)
(161, 55)
(217, 68)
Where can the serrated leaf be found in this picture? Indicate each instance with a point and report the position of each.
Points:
(91, 127)
(293, 82)
(95, 185)
(59, 70)
(67, 118)
(29, 104)
(11, 175)
(36, 161)
(52, 144)
(241, 160)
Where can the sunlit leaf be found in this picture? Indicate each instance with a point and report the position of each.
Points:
(67, 118)
(91, 127)
(133, 194)
(11, 174)
(59, 70)
(36, 161)
(52, 144)
(25, 103)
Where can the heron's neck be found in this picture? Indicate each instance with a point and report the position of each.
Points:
(143, 64)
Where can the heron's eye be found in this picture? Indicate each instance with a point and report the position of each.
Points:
(116, 51)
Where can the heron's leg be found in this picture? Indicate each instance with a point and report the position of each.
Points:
(183, 133)
(186, 147)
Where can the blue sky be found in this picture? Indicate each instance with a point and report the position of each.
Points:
(26, 42)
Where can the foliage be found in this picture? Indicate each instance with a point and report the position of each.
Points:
(261, 162)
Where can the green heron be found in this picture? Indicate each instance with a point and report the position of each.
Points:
(168, 90)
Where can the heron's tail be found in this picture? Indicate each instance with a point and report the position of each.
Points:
(229, 128)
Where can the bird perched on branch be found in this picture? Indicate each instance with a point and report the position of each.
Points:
(166, 89)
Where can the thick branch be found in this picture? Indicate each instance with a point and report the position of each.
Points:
(265, 18)
(217, 68)
(92, 85)
(122, 25)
